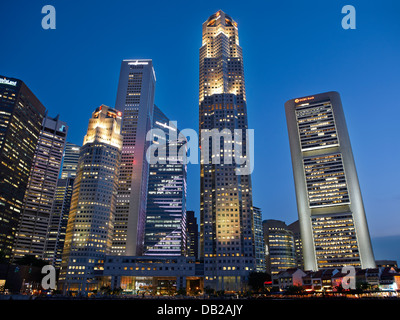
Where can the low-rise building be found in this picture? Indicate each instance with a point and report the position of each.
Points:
(152, 275)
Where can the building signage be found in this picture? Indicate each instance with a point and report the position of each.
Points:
(7, 81)
(304, 99)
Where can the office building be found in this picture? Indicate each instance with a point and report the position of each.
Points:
(259, 240)
(332, 219)
(295, 228)
(58, 221)
(165, 228)
(38, 202)
(143, 275)
(279, 244)
(192, 234)
(135, 98)
(226, 209)
(70, 160)
(21, 117)
(61, 205)
(91, 218)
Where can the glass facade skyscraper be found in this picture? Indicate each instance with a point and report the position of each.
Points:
(61, 205)
(39, 196)
(192, 234)
(332, 219)
(70, 160)
(165, 229)
(226, 209)
(58, 221)
(21, 116)
(259, 245)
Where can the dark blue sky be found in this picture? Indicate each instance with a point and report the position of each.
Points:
(291, 48)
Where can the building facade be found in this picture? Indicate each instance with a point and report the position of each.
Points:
(39, 196)
(165, 228)
(226, 209)
(70, 160)
(192, 234)
(280, 247)
(153, 275)
(91, 219)
(295, 228)
(259, 240)
(135, 98)
(21, 117)
(61, 205)
(332, 219)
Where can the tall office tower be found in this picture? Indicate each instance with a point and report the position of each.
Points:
(226, 212)
(333, 225)
(295, 228)
(135, 98)
(58, 221)
(38, 202)
(61, 206)
(165, 228)
(70, 160)
(21, 116)
(259, 240)
(91, 218)
(192, 234)
(279, 244)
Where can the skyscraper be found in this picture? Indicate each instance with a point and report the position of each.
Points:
(259, 245)
(70, 160)
(58, 221)
(192, 235)
(61, 205)
(135, 98)
(226, 209)
(38, 201)
(332, 219)
(280, 247)
(91, 218)
(295, 229)
(165, 228)
(21, 116)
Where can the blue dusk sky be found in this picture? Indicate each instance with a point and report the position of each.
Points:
(291, 49)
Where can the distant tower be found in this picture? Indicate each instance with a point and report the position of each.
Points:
(259, 240)
(332, 220)
(135, 98)
(280, 248)
(295, 228)
(38, 201)
(91, 218)
(61, 205)
(58, 221)
(226, 208)
(192, 234)
(70, 160)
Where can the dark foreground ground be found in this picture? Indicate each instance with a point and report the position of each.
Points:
(193, 308)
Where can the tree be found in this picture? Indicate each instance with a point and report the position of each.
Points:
(256, 280)
(208, 290)
(181, 292)
(294, 290)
